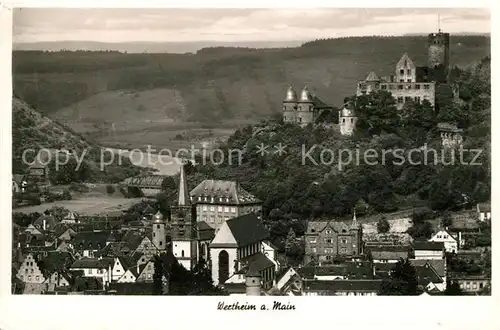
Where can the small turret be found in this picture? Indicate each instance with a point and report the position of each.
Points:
(305, 96)
(355, 224)
(291, 96)
(158, 217)
(252, 282)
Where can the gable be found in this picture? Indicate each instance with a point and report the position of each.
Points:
(224, 236)
(405, 62)
(442, 236)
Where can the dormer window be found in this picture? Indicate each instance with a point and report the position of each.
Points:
(199, 198)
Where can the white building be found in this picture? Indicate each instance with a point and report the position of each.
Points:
(450, 243)
(484, 211)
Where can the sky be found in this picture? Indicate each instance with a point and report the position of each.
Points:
(230, 25)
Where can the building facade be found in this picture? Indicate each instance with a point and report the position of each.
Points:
(451, 135)
(347, 120)
(407, 85)
(326, 240)
(450, 242)
(218, 201)
(304, 110)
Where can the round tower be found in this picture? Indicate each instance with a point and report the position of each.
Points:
(305, 108)
(347, 121)
(159, 232)
(252, 283)
(290, 106)
(438, 46)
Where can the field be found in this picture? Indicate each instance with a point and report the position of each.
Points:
(85, 205)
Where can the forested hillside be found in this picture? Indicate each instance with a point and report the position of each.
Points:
(291, 187)
(219, 83)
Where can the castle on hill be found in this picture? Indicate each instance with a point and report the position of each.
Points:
(409, 83)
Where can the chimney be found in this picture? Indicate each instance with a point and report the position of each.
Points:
(44, 226)
(137, 268)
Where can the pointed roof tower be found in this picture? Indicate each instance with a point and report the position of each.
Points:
(372, 77)
(158, 217)
(305, 96)
(183, 199)
(355, 224)
(291, 96)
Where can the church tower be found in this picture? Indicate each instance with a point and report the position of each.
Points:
(356, 232)
(183, 226)
(159, 232)
(305, 108)
(438, 45)
(290, 106)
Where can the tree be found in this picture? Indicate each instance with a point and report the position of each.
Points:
(403, 281)
(422, 230)
(447, 220)
(290, 241)
(383, 225)
(158, 276)
(453, 288)
(110, 189)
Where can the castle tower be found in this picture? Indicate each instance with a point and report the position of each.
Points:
(183, 226)
(347, 120)
(356, 231)
(252, 283)
(159, 232)
(438, 45)
(305, 108)
(290, 106)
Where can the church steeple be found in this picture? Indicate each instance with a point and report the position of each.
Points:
(355, 224)
(183, 199)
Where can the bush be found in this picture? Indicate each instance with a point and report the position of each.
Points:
(383, 226)
(110, 189)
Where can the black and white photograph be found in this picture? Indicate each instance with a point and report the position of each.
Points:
(251, 152)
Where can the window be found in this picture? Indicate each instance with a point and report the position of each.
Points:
(408, 86)
(90, 271)
(408, 71)
(212, 208)
(37, 278)
(328, 257)
(27, 263)
(161, 243)
(199, 198)
(328, 240)
(384, 87)
(233, 209)
(182, 253)
(226, 209)
(29, 277)
(220, 199)
(343, 241)
(408, 80)
(157, 226)
(204, 207)
(153, 234)
(352, 120)
(417, 99)
(400, 86)
(426, 86)
(328, 231)
(480, 284)
(149, 276)
(219, 209)
(407, 98)
(313, 240)
(402, 71)
(401, 80)
(417, 86)
(343, 120)
(26, 270)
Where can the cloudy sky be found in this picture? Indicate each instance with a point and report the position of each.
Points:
(122, 25)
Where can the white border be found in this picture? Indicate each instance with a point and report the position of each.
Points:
(108, 312)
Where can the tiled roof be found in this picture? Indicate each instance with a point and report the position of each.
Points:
(388, 252)
(427, 274)
(428, 246)
(205, 232)
(154, 181)
(247, 229)
(230, 192)
(484, 207)
(93, 263)
(372, 77)
(132, 239)
(448, 127)
(344, 285)
(256, 262)
(50, 221)
(18, 178)
(319, 104)
(314, 227)
(438, 264)
(94, 240)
